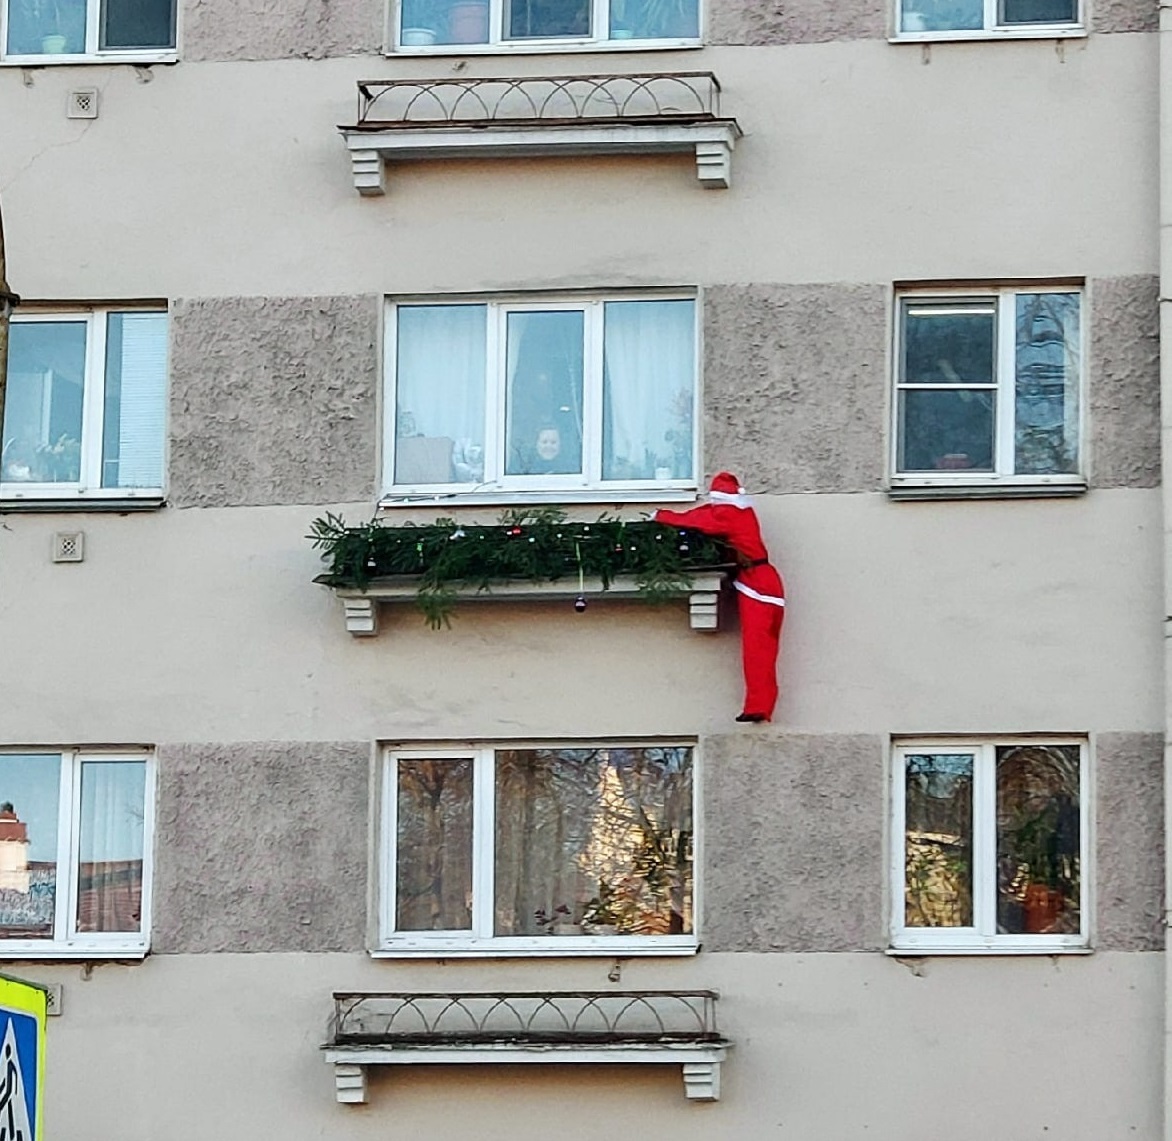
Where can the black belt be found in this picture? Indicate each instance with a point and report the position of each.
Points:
(753, 563)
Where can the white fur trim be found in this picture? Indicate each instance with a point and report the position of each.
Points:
(758, 595)
(741, 499)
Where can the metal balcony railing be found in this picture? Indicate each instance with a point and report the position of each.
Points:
(524, 1018)
(675, 97)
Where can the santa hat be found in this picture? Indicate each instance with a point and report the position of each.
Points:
(726, 488)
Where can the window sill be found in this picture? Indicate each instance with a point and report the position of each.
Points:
(1000, 949)
(121, 58)
(941, 489)
(546, 48)
(968, 35)
(502, 498)
(121, 505)
(31, 953)
(563, 950)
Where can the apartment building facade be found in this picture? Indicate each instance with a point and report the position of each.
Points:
(897, 268)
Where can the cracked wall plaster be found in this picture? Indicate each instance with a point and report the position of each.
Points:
(1129, 871)
(273, 400)
(281, 29)
(793, 842)
(262, 847)
(795, 386)
(1124, 371)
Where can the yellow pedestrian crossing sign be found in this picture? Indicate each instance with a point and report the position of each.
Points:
(22, 1059)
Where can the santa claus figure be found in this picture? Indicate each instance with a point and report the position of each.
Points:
(729, 516)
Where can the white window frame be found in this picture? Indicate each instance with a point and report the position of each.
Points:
(982, 937)
(480, 942)
(67, 941)
(497, 44)
(1005, 413)
(89, 486)
(92, 53)
(992, 29)
(587, 487)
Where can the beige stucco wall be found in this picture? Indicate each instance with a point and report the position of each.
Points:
(856, 167)
(827, 1046)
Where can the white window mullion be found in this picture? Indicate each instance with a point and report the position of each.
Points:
(898, 843)
(68, 847)
(496, 21)
(990, 14)
(600, 25)
(496, 371)
(985, 841)
(1085, 888)
(1006, 364)
(93, 403)
(593, 355)
(390, 855)
(391, 375)
(93, 26)
(484, 844)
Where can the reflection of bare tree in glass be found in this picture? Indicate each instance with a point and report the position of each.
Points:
(434, 849)
(938, 839)
(1046, 383)
(602, 836)
(1038, 829)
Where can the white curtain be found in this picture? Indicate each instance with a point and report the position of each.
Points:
(109, 875)
(137, 364)
(440, 379)
(650, 374)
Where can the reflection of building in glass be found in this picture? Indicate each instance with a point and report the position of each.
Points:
(109, 895)
(14, 873)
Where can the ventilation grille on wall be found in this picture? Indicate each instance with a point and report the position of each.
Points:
(83, 103)
(69, 546)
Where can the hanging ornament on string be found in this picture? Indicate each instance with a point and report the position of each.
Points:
(580, 601)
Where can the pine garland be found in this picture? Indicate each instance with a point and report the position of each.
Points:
(535, 544)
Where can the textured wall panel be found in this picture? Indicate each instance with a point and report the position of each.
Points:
(1125, 382)
(795, 385)
(1129, 807)
(793, 842)
(281, 29)
(273, 400)
(262, 847)
(1125, 16)
(762, 22)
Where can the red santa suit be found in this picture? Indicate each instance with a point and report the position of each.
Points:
(760, 593)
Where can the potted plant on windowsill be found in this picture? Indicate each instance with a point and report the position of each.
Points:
(422, 23)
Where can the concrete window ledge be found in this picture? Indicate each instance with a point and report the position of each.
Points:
(1054, 490)
(587, 1027)
(361, 607)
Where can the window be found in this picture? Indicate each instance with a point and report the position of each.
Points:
(46, 31)
(86, 407)
(969, 19)
(988, 388)
(994, 843)
(548, 24)
(75, 843)
(553, 396)
(541, 849)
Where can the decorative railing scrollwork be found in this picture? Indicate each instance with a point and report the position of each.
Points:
(688, 96)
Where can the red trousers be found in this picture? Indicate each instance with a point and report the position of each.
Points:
(760, 641)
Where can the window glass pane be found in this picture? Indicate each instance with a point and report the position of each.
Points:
(544, 393)
(443, 22)
(439, 412)
(946, 430)
(534, 19)
(942, 15)
(433, 848)
(594, 841)
(654, 19)
(949, 343)
(29, 804)
(109, 874)
(135, 414)
(648, 385)
(42, 417)
(46, 27)
(1047, 383)
(1038, 874)
(938, 870)
(1039, 11)
(137, 24)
